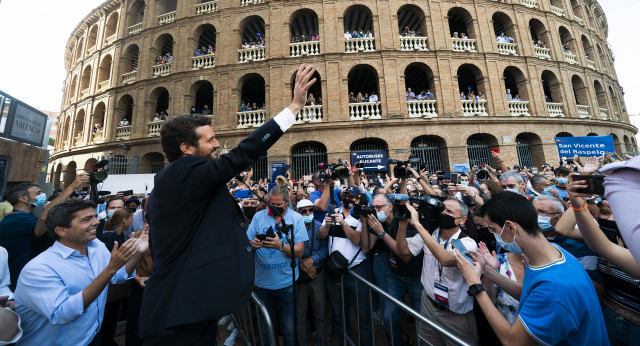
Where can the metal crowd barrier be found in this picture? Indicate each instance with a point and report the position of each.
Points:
(249, 321)
(390, 300)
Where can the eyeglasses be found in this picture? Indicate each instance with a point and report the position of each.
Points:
(306, 211)
(379, 207)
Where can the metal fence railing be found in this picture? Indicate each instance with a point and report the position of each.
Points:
(254, 323)
(418, 318)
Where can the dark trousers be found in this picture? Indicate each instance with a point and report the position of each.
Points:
(315, 291)
(195, 334)
(133, 315)
(279, 303)
(108, 328)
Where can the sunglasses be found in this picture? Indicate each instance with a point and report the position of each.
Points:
(306, 211)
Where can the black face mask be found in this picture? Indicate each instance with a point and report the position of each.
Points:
(483, 230)
(447, 221)
(607, 224)
(277, 211)
(348, 204)
(249, 212)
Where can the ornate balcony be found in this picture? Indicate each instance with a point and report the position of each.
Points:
(462, 45)
(355, 45)
(249, 2)
(162, 70)
(111, 39)
(471, 108)
(543, 53)
(167, 18)
(129, 78)
(578, 20)
(203, 61)
(77, 141)
(309, 114)
(365, 110)
(422, 109)
(604, 113)
(206, 7)
(519, 108)
(505, 48)
(102, 86)
(251, 54)
(570, 58)
(84, 93)
(251, 119)
(123, 133)
(557, 11)
(154, 128)
(134, 29)
(530, 3)
(91, 50)
(304, 48)
(591, 64)
(583, 111)
(97, 137)
(555, 110)
(414, 43)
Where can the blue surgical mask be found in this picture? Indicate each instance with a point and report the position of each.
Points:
(307, 218)
(40, 199)
(546, 190)
(545, 223)
(562, 180)
(534, 172)
(516, 191)
(110, 213)
(382, 217)
(511, 247)
(464, 183)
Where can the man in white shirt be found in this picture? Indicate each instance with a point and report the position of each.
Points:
(347, 35)
(444, 299)
(373, 97)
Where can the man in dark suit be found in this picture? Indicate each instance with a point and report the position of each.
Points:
(203, 265)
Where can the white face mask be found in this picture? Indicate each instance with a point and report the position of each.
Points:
(310, 189)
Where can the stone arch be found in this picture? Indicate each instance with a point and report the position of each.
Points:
(502, 23)
(303, 22)
(104, 72)
(616, 105)
(627, 144)
(411, 18)
(57, 175)
(532, 142)
(70, 173)
(551, 86)
(74, 86)
(516, 82)
(419, 77)
(363, 79)
(159, 100)
(432, 152)
(151, 163)
(92, 39)
(564, 134)
(130, 58)
(601, 97)
(580, 91)
(306, 156)
(162, 46)
(461, 21)
(85, 82)
(79, 48)
(577, 9)
(135, 14)
(588, 48)
(66, 131)
(204, 36)
(202, 93)
(124, 109)
(470, 79)
(253, 90)
(111, 28)
(358, 18)
(568, 42)
(616, 143)
(252, 30)
(315, 90)
(166, 6)
(79, 123)
(539, 33)
(98, 117)
(479, 147)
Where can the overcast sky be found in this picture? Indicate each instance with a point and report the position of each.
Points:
(34, 34)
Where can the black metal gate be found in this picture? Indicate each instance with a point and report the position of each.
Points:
(260, 168)
(306, 158)
(478, 151)
(428, 152)
(119, 164)
(524, 152)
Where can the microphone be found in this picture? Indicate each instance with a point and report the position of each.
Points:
(398, 197)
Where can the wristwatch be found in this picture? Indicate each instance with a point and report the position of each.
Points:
(381, 235)
(475, 289)
(282, 247)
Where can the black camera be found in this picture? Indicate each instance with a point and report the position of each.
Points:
(401, 170)
(362, 209)
(429, 209)
(400, 210)
(97, 176)
(337, 170)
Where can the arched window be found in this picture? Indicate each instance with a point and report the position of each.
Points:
(104, 73)
(428, 151)
(253, 94)
(505, 33)
(581, 95)
(110, 31)
(412, 28)
(601, 97)
(363, 93)
(85, 82)
(358, 29)
(478, 151)
(125, 109)
(420, 91)
(119, 164)
(151, 163)
(160, 97)
(135, 15)
(312, 112)
(516, 91)
(205, 38)
(461, 29)
(525, 158)
(130, 59)
(202, 91)
(540, 38)
(304, 33)
(306, 157)
(70, 174)
(92, 39)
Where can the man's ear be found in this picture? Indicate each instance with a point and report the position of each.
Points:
(187, 148)
(61, 231)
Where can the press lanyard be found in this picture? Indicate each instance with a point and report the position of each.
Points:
(445, 248)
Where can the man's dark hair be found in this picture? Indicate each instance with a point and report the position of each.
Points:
(63, 213)
(180, 129)
(512, 207)
(538, 179)
(562, 171)
(115, 199)
(19, 191)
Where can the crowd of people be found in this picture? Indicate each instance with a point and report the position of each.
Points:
(502, 38)
(248, 106)
(205, 51)
(305, 38)
(359, 97)
(462, 36)
(357, 34)
(472, 96)
(260, 41)
(164, 59)
(411, 33)
(423, 95)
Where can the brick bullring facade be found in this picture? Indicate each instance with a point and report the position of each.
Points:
(567, 83)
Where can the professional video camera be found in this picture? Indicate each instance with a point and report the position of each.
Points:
(97, 176)
(400, 170)
(363, 208)
(429, 208)
(337, 170)
(400, 210)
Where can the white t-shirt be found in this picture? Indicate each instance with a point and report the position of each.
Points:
(344, 245)
(459, 301)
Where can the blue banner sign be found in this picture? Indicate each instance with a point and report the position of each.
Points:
(373, 160)
(585, 146)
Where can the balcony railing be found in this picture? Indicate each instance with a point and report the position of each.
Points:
(591, 64)
(463, 45)
(77, 141)
(84, 93)
(617, 116)
(604, 113)
(91, 49)
(103, 85)
(543, 53)
(304, 48)
(203, 61)
(309, 114)
(365, 110)
(129, 78)
(414, 43)
(530, 3)
(555, 110)
(110, 39)
(249, 2)
(123, 133)
(134, 29)
(519, 108)
(578, 20)
(570, 57)
(154, 128)
(97, 137)
(251, 118)
(506, 48)
(471, 108)
(558, 11)
(422, 108)
(162, 69)
(206, 7)
(167, 18)
(583, 111)
(251, 54)
(355, 45)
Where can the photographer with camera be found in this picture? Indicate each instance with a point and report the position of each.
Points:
(323, 180)
(343, 231)
(444, 299)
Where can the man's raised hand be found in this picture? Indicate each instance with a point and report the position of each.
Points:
(303, 83)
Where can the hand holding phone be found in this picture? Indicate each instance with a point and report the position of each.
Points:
(462, 249)
(595, 184)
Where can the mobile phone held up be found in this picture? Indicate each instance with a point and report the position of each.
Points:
(462, 249)
(455, 178)
(595, 184)
(243, 194)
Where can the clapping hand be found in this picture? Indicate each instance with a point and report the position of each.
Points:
(486, 258)
(592, 164)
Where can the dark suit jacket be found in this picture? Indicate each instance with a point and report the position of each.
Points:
(203, 266)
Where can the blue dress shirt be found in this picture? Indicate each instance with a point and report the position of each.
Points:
(49, 295)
